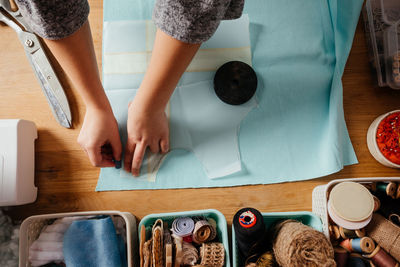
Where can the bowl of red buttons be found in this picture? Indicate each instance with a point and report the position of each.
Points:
(383, 139)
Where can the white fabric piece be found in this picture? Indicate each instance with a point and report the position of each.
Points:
(49, 245)
(199, 122)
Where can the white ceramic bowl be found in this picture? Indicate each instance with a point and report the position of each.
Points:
(373, 146)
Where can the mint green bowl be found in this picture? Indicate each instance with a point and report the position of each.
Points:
(222, 229)
(306, 217)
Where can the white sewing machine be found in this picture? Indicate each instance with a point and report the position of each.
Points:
(17, 162)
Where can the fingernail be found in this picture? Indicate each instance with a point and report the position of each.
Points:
(118, 164)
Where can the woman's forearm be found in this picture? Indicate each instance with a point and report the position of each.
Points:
(78, 59)
(169, 60)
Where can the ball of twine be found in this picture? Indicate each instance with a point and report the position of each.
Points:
(296, 244)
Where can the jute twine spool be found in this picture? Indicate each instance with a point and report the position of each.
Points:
(296, 244)
(386, 234)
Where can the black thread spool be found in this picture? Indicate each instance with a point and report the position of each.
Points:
(250, 232)
(235, 83)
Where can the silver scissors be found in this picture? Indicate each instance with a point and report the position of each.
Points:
(44, 72)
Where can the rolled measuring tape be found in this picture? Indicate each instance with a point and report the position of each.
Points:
(203, 232)
(183, 227)
(249, 230)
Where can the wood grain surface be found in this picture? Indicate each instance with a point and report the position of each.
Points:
(67, 181)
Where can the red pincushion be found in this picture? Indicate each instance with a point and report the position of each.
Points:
(388, 137)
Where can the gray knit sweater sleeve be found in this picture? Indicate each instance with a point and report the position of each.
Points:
(54, 19)
(194, 21)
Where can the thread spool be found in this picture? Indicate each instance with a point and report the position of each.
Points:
(341, 256)
(235, 82)
(388, 205)
(398, 192)
(356, 260)
(249, 231)
(385, 234)
(292, 238)
(377, 203)
(360, 245)
(346, 233)
(389, 188)
(370, 186)
(381, 259)
(334, 232)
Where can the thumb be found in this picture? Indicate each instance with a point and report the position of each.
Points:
(116, 145)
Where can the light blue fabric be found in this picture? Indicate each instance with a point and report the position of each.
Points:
(93, 243)
(298, 131)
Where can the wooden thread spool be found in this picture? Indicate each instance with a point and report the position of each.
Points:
(346, 233)
(334, 232)
(370, 186)
(360, 245)
(377, 204)
(341, 256)
(398, 192)
(390, 188)
(381, 259)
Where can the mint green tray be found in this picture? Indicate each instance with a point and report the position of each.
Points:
(222, 229)
(306, 217)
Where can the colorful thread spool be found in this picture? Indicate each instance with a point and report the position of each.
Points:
(390, 188)
(341, 256)
(250, 231)
(360, 245)
(356, 260)
(346, 233)
(381, 259)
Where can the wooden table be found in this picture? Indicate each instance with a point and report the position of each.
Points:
(67, 181)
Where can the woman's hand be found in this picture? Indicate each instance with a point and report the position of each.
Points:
(146, 128)
(99, 137)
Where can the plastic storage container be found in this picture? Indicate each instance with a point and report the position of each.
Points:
(306, 217)
(222, 230)
(382, 20)
(32, 226)
(320, 196)
(372, 144)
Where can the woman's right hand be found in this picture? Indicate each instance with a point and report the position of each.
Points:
(99, 137)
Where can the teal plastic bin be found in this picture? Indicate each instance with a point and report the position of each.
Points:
(222, 229)
(306, 217)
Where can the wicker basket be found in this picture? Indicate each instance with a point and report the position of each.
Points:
(32, 226)
(320, 196)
